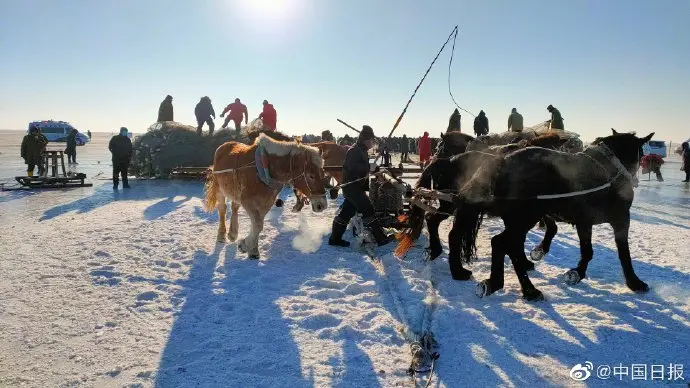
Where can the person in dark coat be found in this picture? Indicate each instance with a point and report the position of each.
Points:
(165, 111)
(71, 149)
(556, 118)
(356, 171)
(203, 112)
(454, 122)
(121, 148)
(481, 124)
(404, 149)
(515, 121)
(32, 149)
(686, 160)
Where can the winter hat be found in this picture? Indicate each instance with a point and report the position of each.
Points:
(550, 107)
(123, 130)
(367, 133)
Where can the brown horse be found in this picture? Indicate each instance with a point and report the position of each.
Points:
(332, 153)
(235, 175)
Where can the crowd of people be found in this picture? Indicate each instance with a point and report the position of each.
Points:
(205, 114)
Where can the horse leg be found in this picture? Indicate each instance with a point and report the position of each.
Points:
(233, 231)
(432, 224)
(250, 244)
(584, 234)
(222, 211)
(516, 252)
(299, 203)
(621, 227)
(498, 254)
(457, 271)
(538, 252)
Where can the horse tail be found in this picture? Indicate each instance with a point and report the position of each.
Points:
(468, 220)
(211, 188)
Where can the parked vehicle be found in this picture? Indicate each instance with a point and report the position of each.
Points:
(656, 147)
(57, 131)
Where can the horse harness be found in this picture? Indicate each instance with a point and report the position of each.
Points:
(262, 169)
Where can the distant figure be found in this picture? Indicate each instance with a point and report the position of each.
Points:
(515, 121)
(424, 148)
(327, 136)
(203, 112)
(481, 124)
(71, 149)
(237, 110)
(454, 122)
(165, 112)
(121, 148)
(33, 146)
(686, 160)
(652, 163)
(88, 133)
(404, 149)
(556, 121)
(269, 116)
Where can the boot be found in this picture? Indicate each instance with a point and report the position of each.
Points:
(29, 173)
(337, 232)
(378, 233)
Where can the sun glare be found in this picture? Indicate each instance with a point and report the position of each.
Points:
(271, 11)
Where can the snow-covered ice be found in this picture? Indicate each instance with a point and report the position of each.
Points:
(111, 289)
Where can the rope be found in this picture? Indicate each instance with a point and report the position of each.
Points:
(397, 122)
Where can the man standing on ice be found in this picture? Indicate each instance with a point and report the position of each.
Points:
(269, 116)
(355, 184)
(121, 148)
(32, 149)
(236, 110)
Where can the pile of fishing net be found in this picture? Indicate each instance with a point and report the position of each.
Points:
(169, 144)
(573, 142)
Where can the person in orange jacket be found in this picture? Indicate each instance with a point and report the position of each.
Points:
(424, 148)
(269, 116)
(237, 110)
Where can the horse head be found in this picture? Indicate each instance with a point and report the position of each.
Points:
(627, 147)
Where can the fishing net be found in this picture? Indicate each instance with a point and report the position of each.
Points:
(167, 145)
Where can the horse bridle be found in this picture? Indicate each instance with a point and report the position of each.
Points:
(303, 175)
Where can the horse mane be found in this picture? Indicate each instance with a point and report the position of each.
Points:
(291, 147)
(276, 135)
(457, 137)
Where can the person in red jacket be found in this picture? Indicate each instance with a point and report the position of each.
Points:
(237, 109)
(269, 116)
(424, 148)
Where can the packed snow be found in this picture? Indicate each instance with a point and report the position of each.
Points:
(110, 289)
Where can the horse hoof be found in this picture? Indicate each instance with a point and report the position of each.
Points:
(254, 256)
(220, 239)
(571, 277)
(461, 274)
(483, 289)
(242, 247)
(639, 287)
(279, 202)
(433, 253)
(232, 237)
(533, 295)
(537, 254)
(333, 193)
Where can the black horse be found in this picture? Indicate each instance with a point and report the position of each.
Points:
(584, 189)
(453, 144)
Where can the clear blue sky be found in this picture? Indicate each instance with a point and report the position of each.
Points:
(104, 64)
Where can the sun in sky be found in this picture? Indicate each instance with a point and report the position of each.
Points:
(272, 16)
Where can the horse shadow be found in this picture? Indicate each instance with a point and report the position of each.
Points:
(142, 191)
(499, 340)
(235, 329)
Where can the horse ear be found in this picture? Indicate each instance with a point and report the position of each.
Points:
(647, 138)
(614, 131)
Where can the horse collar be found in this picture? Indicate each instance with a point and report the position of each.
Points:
(603, 150)
(261, 158)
